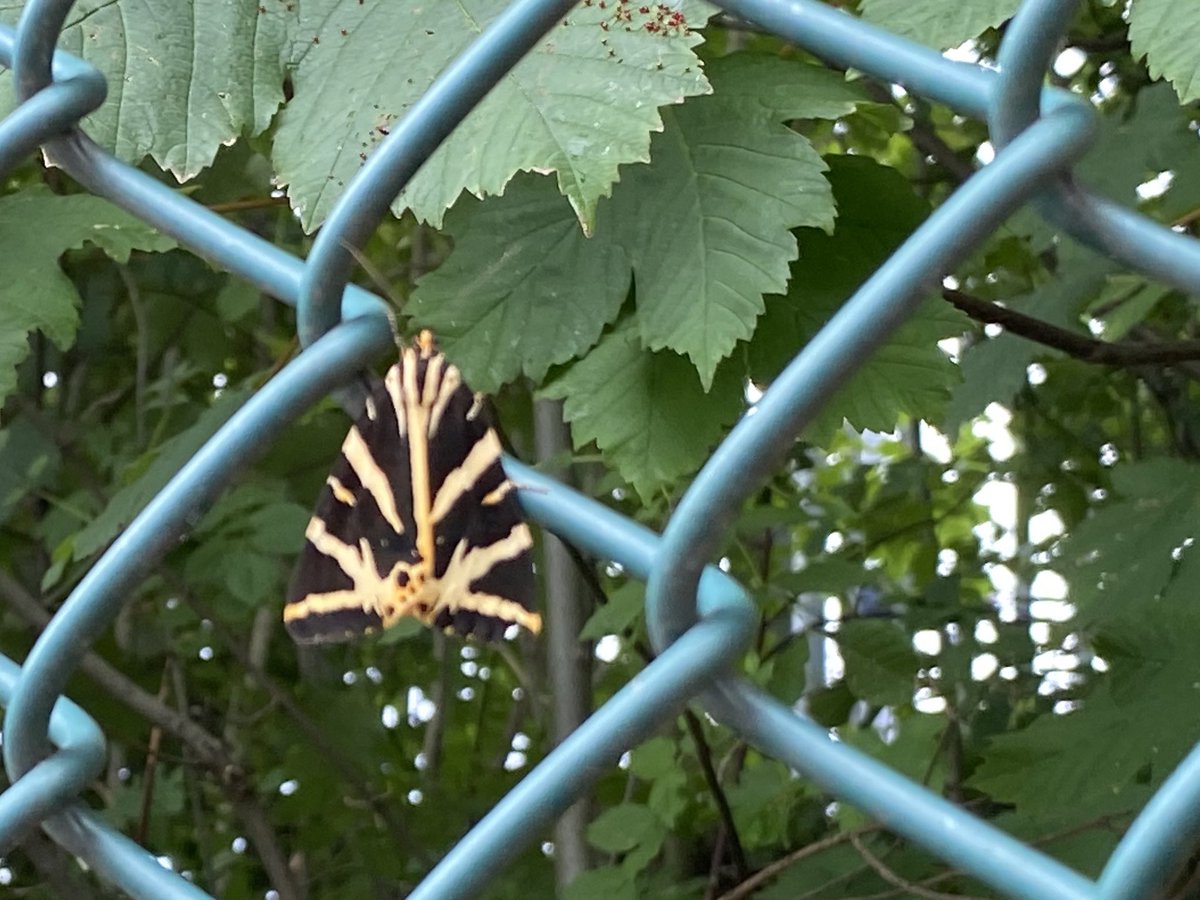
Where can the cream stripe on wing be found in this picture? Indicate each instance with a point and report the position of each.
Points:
(396, 391)
(451, 381)
(492, 497)
(372, 477)
(466, 566)
(498, 608)
(482, 456)
(341, 493)
(418, 455)
(433, 381)
(320, 604)
(357, 562)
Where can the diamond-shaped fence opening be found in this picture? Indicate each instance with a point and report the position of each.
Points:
(699, 619)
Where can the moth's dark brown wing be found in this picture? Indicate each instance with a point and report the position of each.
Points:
(482, 547)
(362, 527)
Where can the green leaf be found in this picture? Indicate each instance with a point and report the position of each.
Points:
(1128, 736)
(832, 574)
(994, 369)
(28, 461)
(237, 300)
(940, 24)
(249, 577)
(1154, 135)
(709, 220)
(580, 104)
(788, 670)
(184, 79)
(910, 750)
(880, 661)
(254, 515)
(623, 608)
(127, 502)
(909, 375)
(1167, 33)
(1124, 555)
(781, 88)
(602, 883)
(523, 289)
(761, 800)
(653, 759)
(646, 411)
(1126, 301)
(621, 828)
(35, 294)
(830, 706)
(277, 528)
(403, 630)
(668, 798)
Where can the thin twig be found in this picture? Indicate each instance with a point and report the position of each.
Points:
(209, 749)
(192, 787)
(891, 877)
(704, 755)
(265, 840)
(249, 203)
(1105, 353)
(766, 873)
(924, 138)
(345, 768)
(439, 695)
(948, 874)
(150, 767)
(141, 356)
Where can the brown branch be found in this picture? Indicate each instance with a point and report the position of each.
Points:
(265, 840)
(210, 750)
(1187, 218)
(766, 873)
(248, 203)
(1069, 831)
(439, 695)
(891, 877)
(704, 755)
(924, 138)
(347, 770)
(195, 796)
(150, 766)
(1077, 346)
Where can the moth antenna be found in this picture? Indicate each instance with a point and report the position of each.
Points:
(381, 285)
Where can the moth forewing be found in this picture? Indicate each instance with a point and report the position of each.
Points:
(417, 518)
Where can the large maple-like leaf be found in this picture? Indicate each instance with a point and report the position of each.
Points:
(909, 374)
(708, 221)
(524, 288)
(938, 23)
(647, 412)
(1167, 33)
(581, 103)
(184, 78)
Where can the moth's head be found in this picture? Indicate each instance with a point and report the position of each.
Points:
(425, 343)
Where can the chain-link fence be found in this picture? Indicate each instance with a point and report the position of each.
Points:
(699, 619)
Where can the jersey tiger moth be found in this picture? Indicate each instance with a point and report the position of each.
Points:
(416, 519)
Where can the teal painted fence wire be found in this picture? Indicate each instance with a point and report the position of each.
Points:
(699, 619)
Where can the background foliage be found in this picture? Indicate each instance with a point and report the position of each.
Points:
(977, 566)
